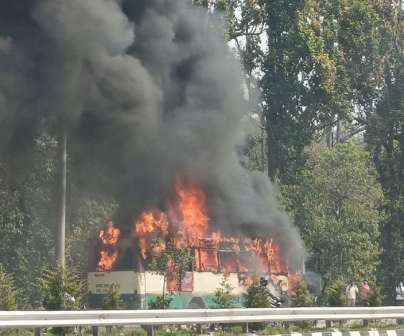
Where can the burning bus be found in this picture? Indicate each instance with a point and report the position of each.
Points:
(126, 258)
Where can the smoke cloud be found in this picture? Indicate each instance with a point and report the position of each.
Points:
(148, 91)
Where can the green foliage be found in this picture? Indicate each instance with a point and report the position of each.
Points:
(173, 261)
(173, 331)
(336, 203)
(376, 297)
(302, 296)
(335, 294)
(86, 220)
(8, 293)
(223, 295)
(113, 300)
(161, 302)
(257, 295)
(60, 288)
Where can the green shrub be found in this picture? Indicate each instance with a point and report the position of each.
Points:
(223, 295)
(257, 295)
(302, 296)
(375, 297)
(113, 300)
(60, 288)
(335, 294)
(8, 293)
(161, 302)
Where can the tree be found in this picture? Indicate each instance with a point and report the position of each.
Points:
(113, 300)
(223, 295)
(337, 206)
(257, 295)
(26, 224)
(172, 262)
(8, 293)
(335, 294)
(85, 222)
(299, 77)
(161, 302)
(302, 297)
(61, 289)
(385, 138)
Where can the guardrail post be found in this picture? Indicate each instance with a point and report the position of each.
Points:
(38, 332)
(94, 330)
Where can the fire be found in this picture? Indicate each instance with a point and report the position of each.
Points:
(274, 257)
(187, 223)
(111, 235)
(150, 223)
(192, 204)
(109, 253)
(107, 260)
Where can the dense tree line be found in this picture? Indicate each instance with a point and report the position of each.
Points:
(329, 71)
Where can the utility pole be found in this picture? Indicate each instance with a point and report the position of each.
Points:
(61, 229)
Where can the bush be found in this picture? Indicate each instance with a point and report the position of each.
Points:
(375, 297)
(258, 295)
(223, 295)
(113, 300)
(335, 294)
(60, 288)
(302, 296)
(8, 293)
(161, 302)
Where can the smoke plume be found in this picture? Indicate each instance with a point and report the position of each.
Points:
(147, 91)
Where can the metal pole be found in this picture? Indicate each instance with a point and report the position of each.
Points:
(60, 247)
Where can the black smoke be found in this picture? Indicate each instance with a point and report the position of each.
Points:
(148, 91)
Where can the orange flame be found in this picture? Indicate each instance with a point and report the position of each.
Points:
(107, 260)
(149, 223)
(192, 204)
(109, 254)
(274, 257)
(187, 224)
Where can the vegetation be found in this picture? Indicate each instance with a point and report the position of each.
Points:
(113, 300)
(60, 288)
(161, 302)
(336, 202)
(8, 293)
(223, 295)
(302, 296)
(173, 262)
(258, 295)
(335, 294)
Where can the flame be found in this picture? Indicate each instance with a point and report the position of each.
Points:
(107, 260)
(274, 257)
(109, 253)
(192, 205)
(187, 224)
(111, 235)
(151, 221)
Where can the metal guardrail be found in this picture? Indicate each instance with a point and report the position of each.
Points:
(37, 319)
